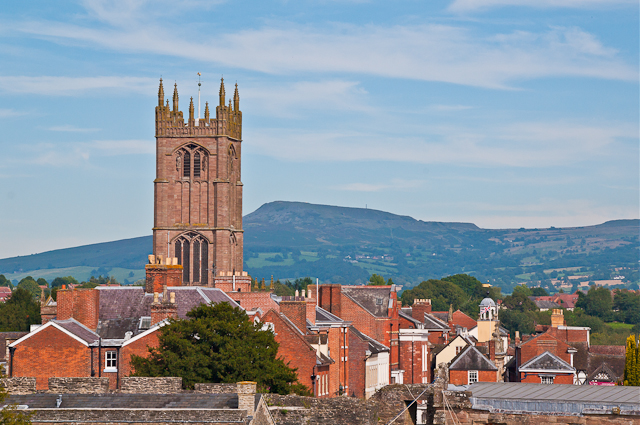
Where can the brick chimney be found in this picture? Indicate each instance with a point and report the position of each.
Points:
(492, 349)
(80, 304)
(311, 309)
(165, 309)
(296, 311)
(161, 273)
(419, 308)
(557, 318)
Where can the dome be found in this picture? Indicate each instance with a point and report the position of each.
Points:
(487, 302)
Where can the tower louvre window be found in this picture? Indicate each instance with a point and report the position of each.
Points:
(196, 165)
(196, 260)
(204, 277)
(186, 167)
(185, 261)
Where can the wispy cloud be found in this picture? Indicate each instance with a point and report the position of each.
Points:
(78, 154)
(286, 100)
(424, 52)
(72, 129)
(395, 184)
(472, 5)
(528, 144)
(449, 108)
(9, 113)
(68, 86)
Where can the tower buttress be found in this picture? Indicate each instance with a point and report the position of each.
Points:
(206, 112)
(192, 121)
(236, 100)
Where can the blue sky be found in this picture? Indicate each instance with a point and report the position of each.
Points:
(504, 113)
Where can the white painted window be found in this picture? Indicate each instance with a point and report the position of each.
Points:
(110, 361)
(473, 376)
(546, 379)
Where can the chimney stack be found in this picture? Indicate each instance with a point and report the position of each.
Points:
(419, 308)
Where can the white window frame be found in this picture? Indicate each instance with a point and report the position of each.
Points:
(111, 361)
(544, 378)
(472, 377)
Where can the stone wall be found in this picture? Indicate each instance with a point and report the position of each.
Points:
(211, 388)
(78, 385)
(19, 385)
(140, 385)
(137, 416)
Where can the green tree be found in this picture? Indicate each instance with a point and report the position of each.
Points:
(19, 312)
(376, 280)
(59, 281)
(539, 292)
(518, 301)
(4, 281)
(628, 305)
(42, 282)
(29, 284)
(218, 343)
(597, 302)
(440, 292)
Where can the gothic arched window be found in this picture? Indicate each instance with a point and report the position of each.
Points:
(192, 251)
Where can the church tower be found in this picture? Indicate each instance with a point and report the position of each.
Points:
(198, 190)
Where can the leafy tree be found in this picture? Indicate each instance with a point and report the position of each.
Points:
(59, 281)
(597, 302)
(522, 290)
(19, 312)
(42, 282)
(515, 320)
(539, 292)
(441, 293)
(4, 281)
(628, 305)
(518, 301)
(218, 343)
(579, 318)
(377, 280)
(29, 284)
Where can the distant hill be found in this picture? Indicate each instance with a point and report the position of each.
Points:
(295, 239)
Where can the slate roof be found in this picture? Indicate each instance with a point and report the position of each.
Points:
(471, 359)
(323, 315)
(546, 361)
(434, 323)
(611, 355)
(78, 329)
(547, 304)
(605, 370)
(408, 317)
(129, 401)
(373, 299)
(122, 307)
(374, 346)
(441, 315)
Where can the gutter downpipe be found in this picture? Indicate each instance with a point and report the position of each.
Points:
(99, 357)
(11, 351)
(118, 367)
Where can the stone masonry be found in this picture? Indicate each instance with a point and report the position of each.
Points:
(78, 385)
(141, 385)
(198, 188)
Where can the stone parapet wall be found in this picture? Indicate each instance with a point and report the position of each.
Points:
(138, 416)
(19, 385)
(142, 385)
(211, 388)
(78, 385)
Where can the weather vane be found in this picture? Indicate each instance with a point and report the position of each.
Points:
(199, 84)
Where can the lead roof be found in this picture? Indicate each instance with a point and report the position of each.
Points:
(373, 299)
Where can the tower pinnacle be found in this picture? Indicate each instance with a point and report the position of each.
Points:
(160, 94)
(175, 98)
(222, 94)
(236, 99)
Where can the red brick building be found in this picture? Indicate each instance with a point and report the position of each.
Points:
(97, 330)
(471, 366)
(373, 310)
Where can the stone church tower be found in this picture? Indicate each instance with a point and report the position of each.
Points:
(198, 190)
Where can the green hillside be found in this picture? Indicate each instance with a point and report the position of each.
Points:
(346, 245)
